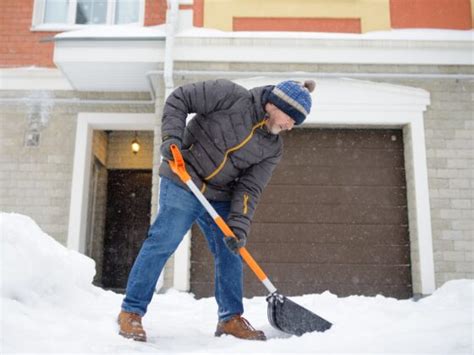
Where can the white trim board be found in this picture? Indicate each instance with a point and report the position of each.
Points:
(355, 104)
(111, 60)
(86, 123)
(33, 78)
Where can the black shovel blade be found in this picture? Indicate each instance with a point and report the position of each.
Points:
(291, 318)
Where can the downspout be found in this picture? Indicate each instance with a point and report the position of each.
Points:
(171, 21)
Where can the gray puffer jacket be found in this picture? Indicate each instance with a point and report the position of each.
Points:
(228, 152)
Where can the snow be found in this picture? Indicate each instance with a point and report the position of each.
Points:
(50, 305)
(123, 31)
(402, 34)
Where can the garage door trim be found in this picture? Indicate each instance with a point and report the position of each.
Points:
(357, 104)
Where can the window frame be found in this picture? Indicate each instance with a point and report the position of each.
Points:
(39, 9)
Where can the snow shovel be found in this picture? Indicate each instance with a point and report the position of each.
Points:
(283, 314)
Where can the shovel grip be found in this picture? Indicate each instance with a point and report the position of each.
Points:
(177, 164)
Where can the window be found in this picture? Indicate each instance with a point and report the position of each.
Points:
(56, 14)
(55, 11)
(126, 11)
(91, 12)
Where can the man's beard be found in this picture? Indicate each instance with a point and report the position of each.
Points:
(274, 128)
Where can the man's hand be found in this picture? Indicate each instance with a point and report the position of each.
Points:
(234, 244)
(165, 146)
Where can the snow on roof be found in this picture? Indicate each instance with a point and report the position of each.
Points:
(120, 31)
(160, 31)
(403, 34)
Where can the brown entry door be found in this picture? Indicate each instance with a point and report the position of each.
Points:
(127, 223)
(334, 217)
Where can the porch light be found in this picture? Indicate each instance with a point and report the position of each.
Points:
(135, 144)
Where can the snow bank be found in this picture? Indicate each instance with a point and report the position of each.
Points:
(49, 305)
(34, 265)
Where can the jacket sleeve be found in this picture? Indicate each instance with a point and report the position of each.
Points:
(202, 97)
(247, 193)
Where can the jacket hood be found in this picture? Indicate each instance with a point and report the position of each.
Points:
(259, 99)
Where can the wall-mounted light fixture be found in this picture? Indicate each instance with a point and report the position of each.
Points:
(135, 144)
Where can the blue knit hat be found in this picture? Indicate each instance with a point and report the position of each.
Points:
(293, 98)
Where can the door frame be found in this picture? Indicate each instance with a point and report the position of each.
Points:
(363, 104)
(87, 122)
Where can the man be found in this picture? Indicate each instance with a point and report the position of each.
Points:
(231, 147)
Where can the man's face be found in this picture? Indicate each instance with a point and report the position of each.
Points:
(278, 121)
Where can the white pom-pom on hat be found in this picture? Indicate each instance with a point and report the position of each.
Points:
(309, 85)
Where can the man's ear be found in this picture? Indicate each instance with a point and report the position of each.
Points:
(269, 107)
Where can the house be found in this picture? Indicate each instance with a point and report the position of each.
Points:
(374, 194)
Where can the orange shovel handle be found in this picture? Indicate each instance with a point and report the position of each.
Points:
(177, 164)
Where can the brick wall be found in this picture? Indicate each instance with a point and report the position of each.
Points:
(449, 128)
(21, 47)
(155, 12)
(36, 181)
(449, 14)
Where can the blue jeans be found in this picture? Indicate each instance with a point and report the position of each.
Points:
(178, 210)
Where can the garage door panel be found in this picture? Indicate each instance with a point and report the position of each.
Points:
(321, 253)
(343, 138)
(333, 217)
(362, 158)
(322, 233)
(320, 273)
(350, 274)
(329, 253)
(385, 196)
(295, 289)
(329, 233)
(340, 289)
(337, 176)
(350, 214)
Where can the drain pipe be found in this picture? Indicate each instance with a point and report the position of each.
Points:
(171, 22)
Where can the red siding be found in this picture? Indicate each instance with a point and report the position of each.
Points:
(296, 24)
(19, 46)
(447, 14)
(155, 12)
(198, 14)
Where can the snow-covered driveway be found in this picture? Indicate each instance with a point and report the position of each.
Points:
(50, 305)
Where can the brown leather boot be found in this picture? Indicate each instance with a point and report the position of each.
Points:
(240, 328)
(131, 326)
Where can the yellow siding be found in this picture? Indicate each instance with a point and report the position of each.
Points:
(374, 14)
(472, 13)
